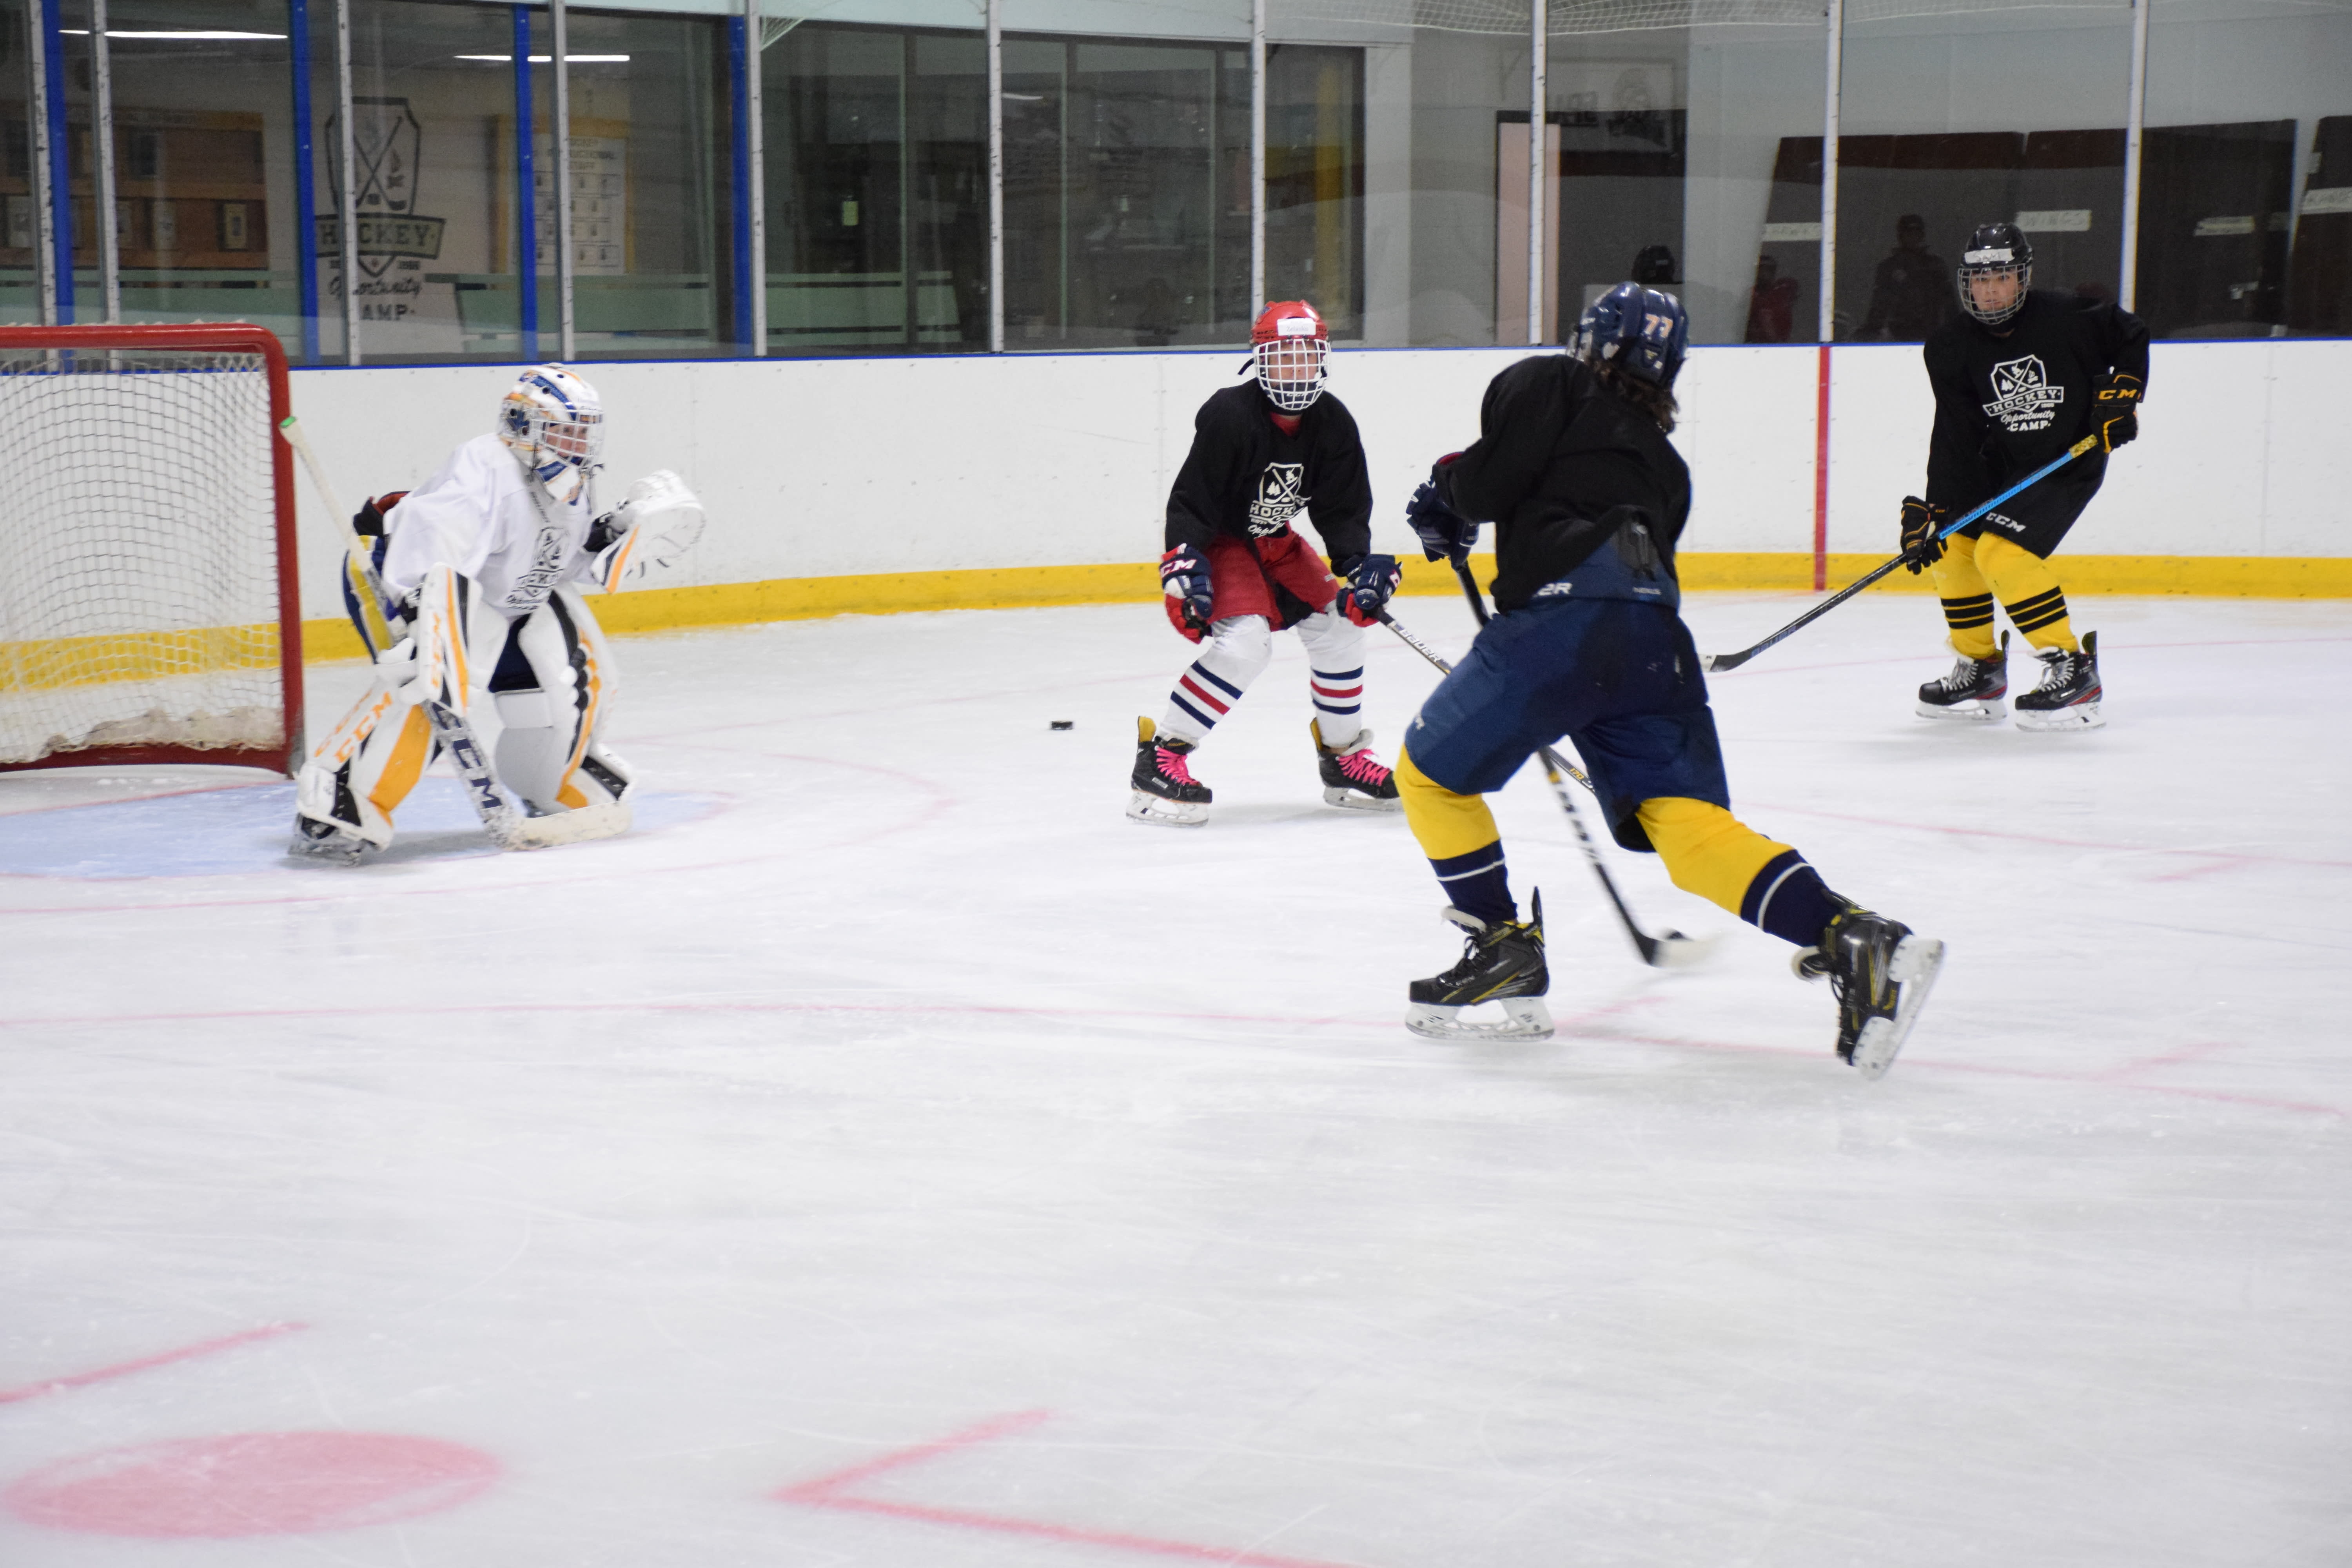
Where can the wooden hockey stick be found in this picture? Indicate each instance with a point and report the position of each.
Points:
(508, 829)
(1715, 662)
(1671, 951)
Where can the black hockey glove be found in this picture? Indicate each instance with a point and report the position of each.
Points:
(1444, 533)
(2115, 410)
(1184, 580)
(1921, 525)
(1370, 580)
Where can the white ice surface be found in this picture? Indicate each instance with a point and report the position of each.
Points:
(888, 1081)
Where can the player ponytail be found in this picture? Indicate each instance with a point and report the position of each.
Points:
(1657, 401)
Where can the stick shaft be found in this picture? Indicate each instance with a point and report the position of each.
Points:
(1734, 660)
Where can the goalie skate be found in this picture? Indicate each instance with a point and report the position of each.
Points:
(317, 840)
(1501, 964)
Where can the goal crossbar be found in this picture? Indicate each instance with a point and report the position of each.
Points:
(149, 599)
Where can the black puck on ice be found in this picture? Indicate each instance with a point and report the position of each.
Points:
(1064, 724)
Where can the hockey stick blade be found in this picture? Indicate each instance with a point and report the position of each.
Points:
(1715, 663)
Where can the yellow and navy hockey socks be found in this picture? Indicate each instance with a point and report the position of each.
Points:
(1458, 834)
(1712, 853)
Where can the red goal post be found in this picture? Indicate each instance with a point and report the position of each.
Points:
(150, 606)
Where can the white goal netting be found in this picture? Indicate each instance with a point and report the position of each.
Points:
(139, 543)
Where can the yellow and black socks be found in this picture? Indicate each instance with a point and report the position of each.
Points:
(1968, 598)
(1712, 853)
(1458, 834)
(1973, 571)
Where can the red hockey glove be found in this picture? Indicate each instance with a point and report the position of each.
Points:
(1921, 525)
(1370, 580)
(1184, 581)
(2115, 410)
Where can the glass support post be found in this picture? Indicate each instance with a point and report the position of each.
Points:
(562, 140)
(996, 176)
(306, 195)
(739, 173)
(526, 193)
(2134, 128)
(1257, 300)
(1539, 49)
(110, 242)
(754, 201)
(347, 228)
(51, 53)
(1832, 87)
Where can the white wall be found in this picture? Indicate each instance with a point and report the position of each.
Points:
(821, 467)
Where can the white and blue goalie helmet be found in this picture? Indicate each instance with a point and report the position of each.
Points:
(553, 422)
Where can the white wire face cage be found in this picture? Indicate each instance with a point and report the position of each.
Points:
(554, 423)
(1292, 370)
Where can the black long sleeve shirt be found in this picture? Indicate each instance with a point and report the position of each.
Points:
(2007, 404)
(1248, 477)
(1556, 451)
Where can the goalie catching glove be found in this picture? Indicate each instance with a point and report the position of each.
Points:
(1923, 523)
(656, 524)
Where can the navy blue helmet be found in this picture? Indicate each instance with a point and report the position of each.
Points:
(1643, 331)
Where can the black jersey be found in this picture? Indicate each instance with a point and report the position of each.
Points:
(1556, 451)
(1247, 476)
(2008, 403)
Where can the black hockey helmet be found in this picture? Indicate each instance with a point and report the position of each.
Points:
(1643, 331)
(1994, 249)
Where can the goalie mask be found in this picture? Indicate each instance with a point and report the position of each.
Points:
(1289, 348)
(1643, 333)
(554, 424)
(1996, 250)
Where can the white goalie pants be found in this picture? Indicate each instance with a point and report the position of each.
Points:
(1236, 652)
(536, 689)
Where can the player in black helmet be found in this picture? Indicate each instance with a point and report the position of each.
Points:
(1589, 498)
(2023, 374)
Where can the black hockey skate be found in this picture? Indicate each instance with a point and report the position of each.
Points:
(1881, 975)
(1165, 790)
(1500, 963)
(1973, 690)
(2068, 697)
(317, 840)
(1354, 777)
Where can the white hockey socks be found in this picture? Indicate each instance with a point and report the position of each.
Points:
(1235, 654)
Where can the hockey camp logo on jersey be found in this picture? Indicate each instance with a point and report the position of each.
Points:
(1279, 498)
(2023, 397)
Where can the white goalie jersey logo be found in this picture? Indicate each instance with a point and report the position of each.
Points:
(2023, 397)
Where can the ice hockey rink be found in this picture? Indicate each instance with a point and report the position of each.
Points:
(887, 1154)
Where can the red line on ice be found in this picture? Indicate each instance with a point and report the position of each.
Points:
(144, 1363)
(830, 1492)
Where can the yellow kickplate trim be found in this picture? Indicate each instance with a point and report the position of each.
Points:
(51, 663)
(1021, 588)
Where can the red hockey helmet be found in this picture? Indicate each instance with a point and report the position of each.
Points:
(1290, 346)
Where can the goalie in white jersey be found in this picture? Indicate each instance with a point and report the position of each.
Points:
(485, 635)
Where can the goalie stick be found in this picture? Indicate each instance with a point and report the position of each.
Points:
(508, 829)
(1715, 662)
(1671, 951)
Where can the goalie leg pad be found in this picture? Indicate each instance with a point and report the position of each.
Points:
(361, 773)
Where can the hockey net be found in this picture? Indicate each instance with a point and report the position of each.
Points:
(147, 606)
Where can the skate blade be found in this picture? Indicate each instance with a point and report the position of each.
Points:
(1143, 807)
(1971, 711)
(344, 849)
(1914, 967)
(1349, 800)
(2075, 716)
(1524, 1018)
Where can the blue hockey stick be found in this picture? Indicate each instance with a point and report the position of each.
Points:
(1721, 661)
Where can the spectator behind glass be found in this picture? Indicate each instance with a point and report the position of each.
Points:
(1772, 307)
(1912, 291)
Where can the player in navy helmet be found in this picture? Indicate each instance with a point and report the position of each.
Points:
(2025, 373)
(1589, 498)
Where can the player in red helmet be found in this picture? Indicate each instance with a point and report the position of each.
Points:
(1236, 571)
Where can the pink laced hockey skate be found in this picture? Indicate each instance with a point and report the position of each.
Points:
(1164, 790)
(1352, 776)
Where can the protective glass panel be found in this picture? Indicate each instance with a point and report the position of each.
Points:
(651, 225)
(1314, 182)
(2245, 214)
(876, 151)
(204, 162)
(20, 295)
(1948, 122)
(434, 124)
